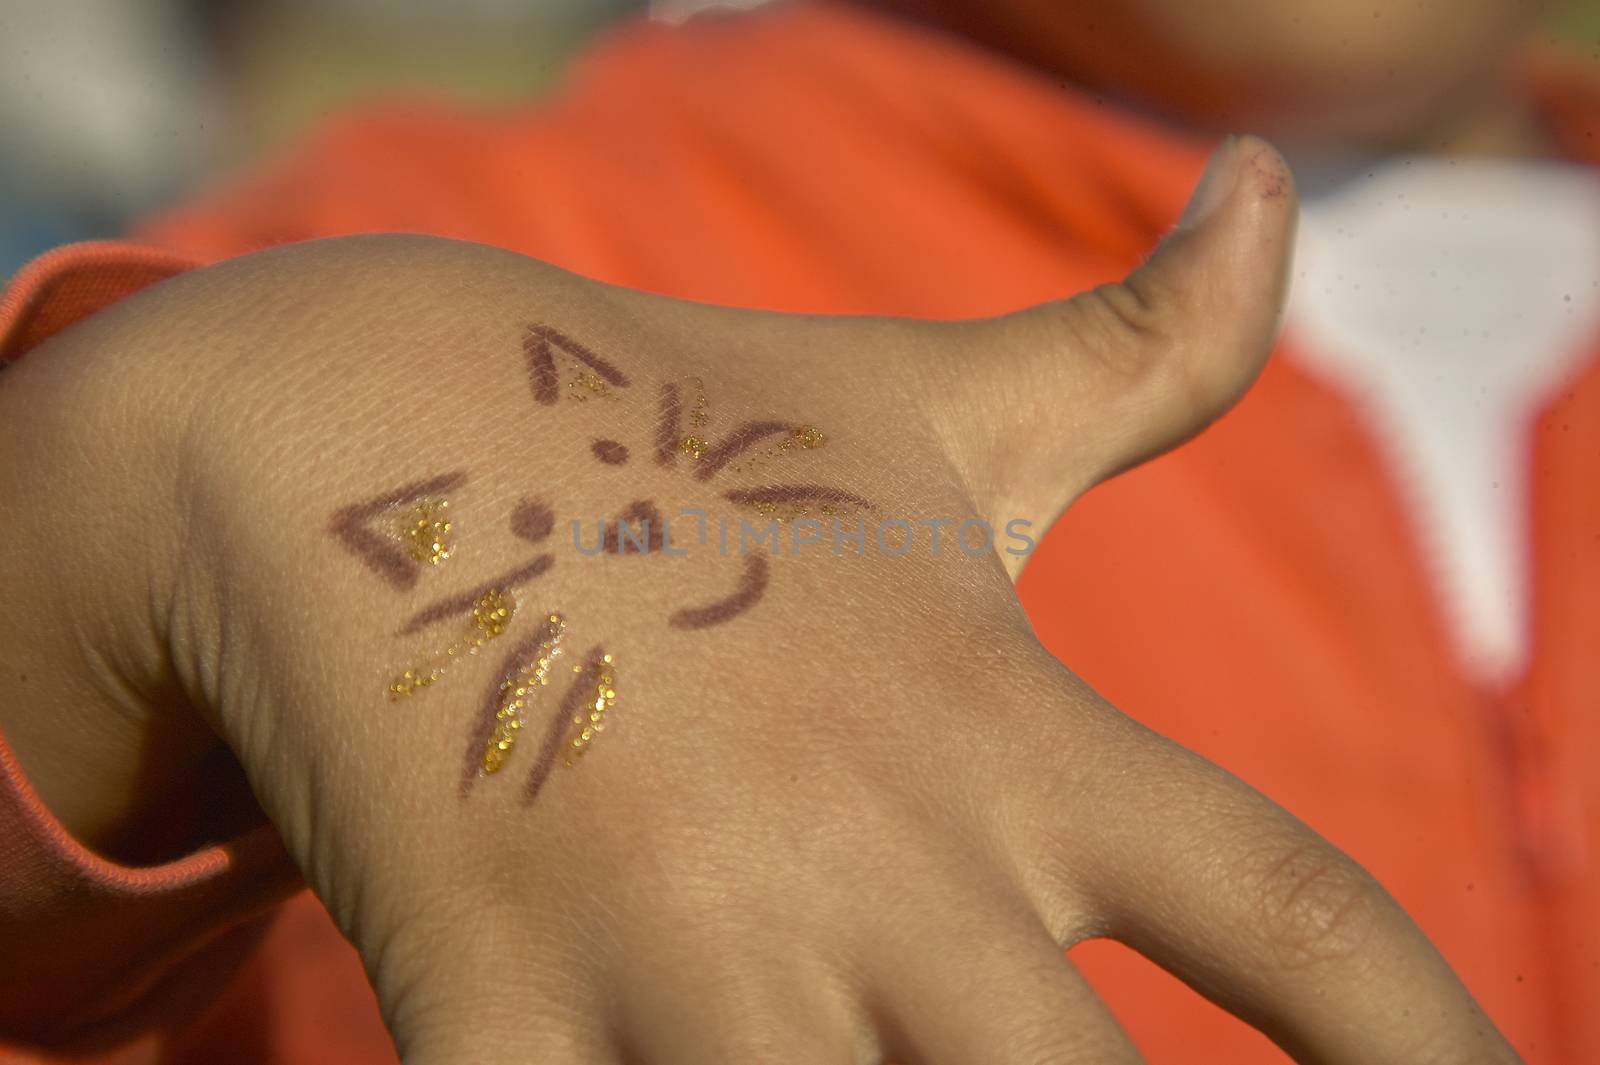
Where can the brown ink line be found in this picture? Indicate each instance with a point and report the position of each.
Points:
(454, 605)
(556, 731)
(738, 442)
(516, 664)
(641, 513)
(387, 560)
(541, 366)
(698, 416)
(752, 585)
(669, 428)
(602, 700)
(537, 345)
(491, 614)
(796, 493)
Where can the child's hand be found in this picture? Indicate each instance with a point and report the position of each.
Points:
(829, 805)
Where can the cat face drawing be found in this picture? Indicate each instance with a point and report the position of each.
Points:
(401, 533)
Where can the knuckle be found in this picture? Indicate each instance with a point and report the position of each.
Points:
(1125, 326)
(1045, 814)
(1057, 1048)
(1315, 906)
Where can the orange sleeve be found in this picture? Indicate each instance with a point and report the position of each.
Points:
(70, 283)
(91, 946)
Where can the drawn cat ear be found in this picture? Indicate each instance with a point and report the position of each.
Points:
(400, 531)
(542, 344)
(680, 431)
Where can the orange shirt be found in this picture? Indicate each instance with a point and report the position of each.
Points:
(1256, 595)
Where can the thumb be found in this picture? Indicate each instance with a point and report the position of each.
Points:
(1058, 397)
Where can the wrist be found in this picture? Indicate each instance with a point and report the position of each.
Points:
(88, 704)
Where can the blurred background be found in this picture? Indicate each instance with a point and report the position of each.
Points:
(111, 108)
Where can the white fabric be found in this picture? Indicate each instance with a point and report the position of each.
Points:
(1450, 298)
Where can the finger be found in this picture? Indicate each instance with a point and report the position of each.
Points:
(1226, 890)
(718, 1010)
(968, 989)
(1027, 1005)
(489, 1005)
(1039, 405)
(525, 1040)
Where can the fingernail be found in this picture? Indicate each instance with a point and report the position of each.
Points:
(1216, 184)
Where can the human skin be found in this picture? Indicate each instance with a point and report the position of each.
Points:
(858, 818)
(1428, 76)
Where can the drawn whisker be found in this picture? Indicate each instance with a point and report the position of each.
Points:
(742, 439)
(492, 614)
(526, 671)
(571, 711)
(669, 430)
(460, 604)
(796, 493)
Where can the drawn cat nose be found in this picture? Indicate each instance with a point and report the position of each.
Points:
(639, 529)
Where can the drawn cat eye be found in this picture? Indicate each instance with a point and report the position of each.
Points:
(532, 521)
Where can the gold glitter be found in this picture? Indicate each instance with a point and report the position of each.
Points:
(697, 416)
(516, 691)
(593, 722)
(424, 530)
(804, 437)
(801, 437)
(782, 511)
(493, 611)
(693, 446)
(591, 382)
